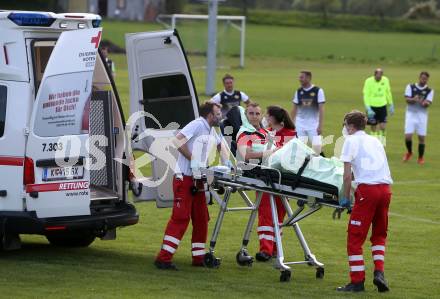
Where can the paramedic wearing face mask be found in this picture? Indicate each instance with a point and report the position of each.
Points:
(365, 159)
(308, 111)
(193, 143)
(282, 129)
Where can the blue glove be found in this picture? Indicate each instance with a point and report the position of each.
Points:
(370, 112)
(344, 202)
(391, 109)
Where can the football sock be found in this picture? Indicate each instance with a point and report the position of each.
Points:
(421, 150)
(408, 144)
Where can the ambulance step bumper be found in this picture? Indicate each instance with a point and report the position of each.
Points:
(124, 214)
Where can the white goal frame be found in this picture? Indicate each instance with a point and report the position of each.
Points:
(242, 28)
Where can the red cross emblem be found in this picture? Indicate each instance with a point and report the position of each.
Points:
(95, 39)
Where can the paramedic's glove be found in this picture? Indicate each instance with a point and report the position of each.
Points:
(370, 112)
(344, 202)
(391, 109)
(195, 168)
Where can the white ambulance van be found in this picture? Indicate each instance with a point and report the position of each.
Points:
(62, 131)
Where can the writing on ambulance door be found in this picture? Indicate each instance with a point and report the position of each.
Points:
(58, 141)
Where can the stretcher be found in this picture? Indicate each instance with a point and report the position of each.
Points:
(310, 196)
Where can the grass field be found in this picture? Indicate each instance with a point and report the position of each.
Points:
(123, 268)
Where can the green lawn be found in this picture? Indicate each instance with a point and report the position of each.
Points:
(123, 268)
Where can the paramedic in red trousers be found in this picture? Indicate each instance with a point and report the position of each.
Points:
(364, 159)
(282, 129)
(198, 134)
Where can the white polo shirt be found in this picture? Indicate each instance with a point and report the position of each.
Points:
(201, 140)
(368, 159)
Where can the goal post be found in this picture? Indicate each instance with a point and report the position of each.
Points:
(173, 18)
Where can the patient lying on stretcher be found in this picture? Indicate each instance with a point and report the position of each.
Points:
(293, 157)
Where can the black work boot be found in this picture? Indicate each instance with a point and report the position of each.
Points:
(262, 256)
(352, 287)
(380, 282)
(165, 265)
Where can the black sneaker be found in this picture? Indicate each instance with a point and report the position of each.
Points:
(165, 265)
(262, 256)
(352, 287)
(380, 282)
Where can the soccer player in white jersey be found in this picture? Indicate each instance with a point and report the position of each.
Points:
(419, 97)
(308, 111)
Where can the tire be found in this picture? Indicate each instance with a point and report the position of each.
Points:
(71, 239)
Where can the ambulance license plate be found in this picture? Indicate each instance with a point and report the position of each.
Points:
(63, 173)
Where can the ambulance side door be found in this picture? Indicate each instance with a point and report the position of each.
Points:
(58, 137)
(163, 100)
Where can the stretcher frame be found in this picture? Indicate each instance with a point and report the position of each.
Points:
(223, 183)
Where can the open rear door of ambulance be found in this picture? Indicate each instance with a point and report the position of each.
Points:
(57, 176)
(162, 100)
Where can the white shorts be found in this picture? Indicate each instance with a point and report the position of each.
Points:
(306, 135)
(416, 123)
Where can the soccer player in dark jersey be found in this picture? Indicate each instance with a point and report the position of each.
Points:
(229, 97)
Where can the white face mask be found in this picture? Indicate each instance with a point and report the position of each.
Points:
(264, 122)
(344, 131)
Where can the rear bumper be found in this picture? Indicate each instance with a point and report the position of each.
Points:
(124, 214)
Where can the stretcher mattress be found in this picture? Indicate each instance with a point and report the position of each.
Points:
(292, 180)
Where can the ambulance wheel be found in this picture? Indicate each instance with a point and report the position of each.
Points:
(243, 258)
(319, 273)
(211, 261)
(71, 239)
(285, 276)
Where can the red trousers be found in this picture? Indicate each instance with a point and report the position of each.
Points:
(265, 229)
(186, 207)
(370, 208)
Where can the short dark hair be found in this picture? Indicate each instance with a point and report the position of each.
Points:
(307, 73)
(208, 107)
(227, 76)
(357, 119)
(253, 105)
(424, 73)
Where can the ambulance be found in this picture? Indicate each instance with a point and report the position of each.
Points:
(65, 146)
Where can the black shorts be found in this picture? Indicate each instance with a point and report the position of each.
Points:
(380, 115)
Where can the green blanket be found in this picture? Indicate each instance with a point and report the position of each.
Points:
(291, 157)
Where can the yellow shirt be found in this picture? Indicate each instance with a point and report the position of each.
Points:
(377, 94)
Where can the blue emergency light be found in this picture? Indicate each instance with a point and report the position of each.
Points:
(96, 23)
(31, 19)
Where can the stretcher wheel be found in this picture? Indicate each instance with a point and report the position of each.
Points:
(221, 190)
(285, 276)
(243, 258)
(319, 273)
(211, 261)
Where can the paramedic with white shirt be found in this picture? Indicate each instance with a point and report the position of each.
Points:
(229, 97)
(365, 159)
(194, 142)
(308, 111)
(419, 97)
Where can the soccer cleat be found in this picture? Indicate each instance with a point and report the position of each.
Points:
(421, 161)
(380, 282)
(352, 287)
(165, 265)
(407, 157)
(262, 256)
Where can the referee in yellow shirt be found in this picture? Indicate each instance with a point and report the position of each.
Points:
(377, 95)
